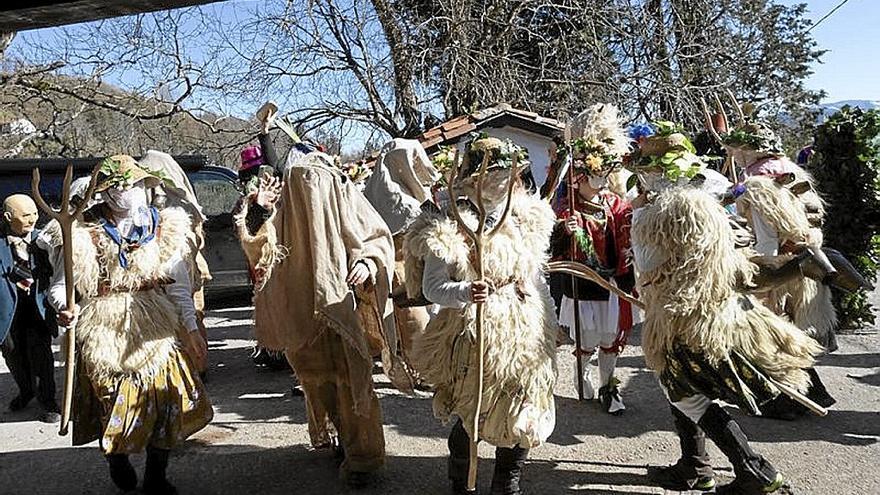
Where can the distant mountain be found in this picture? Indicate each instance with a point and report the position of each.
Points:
(829, 109)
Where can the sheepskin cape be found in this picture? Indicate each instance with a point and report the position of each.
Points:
(807, 302)
(690, 291)
(325, 225)
(519, 326)
(124, 331)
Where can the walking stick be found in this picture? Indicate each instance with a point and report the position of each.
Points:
(576, 269)
(478, 237)
(576, 309)
(65, 218)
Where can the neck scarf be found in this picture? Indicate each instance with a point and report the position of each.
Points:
(139, 235)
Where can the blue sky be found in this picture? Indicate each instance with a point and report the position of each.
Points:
(851, 37)
(849, 70)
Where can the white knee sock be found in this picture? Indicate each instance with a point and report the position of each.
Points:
(586, 373)
(607, 363)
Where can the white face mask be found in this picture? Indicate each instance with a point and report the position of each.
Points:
(129, 203)
(598, 182)
(653, 181)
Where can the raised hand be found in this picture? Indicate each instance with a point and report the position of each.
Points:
(266, 116)
(268, 191)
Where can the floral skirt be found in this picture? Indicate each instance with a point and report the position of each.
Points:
(126, 415)
(735, 380)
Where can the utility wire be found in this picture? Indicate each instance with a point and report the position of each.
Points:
(826, 16)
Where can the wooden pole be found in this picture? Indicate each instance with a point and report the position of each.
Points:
(478, 237)
(576, 306)
(65, 218)
(582, 271)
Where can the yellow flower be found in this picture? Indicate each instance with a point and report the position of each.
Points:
(594, 163)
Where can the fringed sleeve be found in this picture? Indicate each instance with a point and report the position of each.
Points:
(260, 247)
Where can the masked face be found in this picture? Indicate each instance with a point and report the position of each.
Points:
(598, 182)
(128, 203)
(589, 185)
(20, 213)
(494, 188)
(652, 181)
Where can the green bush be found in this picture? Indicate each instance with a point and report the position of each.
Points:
(847, 170)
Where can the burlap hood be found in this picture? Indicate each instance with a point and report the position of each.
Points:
(326, 224)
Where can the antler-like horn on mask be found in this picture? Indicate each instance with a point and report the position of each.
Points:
(736, 106)
(710, 125)
(720, 107)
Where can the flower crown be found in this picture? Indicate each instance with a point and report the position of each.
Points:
(357, 172)
(756, 136)
(501, 155)
(592, 155)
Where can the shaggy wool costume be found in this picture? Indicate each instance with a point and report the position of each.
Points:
(180, 193)
(795, 220)
(707, 341)
(691, 297)
(135, 388)
(520, 326)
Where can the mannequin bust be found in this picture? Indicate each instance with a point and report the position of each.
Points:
(20, 214)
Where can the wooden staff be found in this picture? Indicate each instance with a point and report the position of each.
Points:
(579, 270)
(793, 394)
(479, 237)
(65, 218)
(573, 248)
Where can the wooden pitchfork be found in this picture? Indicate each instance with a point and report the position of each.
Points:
(479, 237)
(65, 218)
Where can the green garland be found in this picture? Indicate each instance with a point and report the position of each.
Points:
(115, 178)
(584, 243)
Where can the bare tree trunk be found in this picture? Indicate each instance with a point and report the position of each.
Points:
(407, 104)
(662, 61)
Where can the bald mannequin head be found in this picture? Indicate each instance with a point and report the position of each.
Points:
(20, 213)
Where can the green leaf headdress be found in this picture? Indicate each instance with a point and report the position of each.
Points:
(122, 172)
(668, 151)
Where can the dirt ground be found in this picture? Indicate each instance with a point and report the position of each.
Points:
(258, 442)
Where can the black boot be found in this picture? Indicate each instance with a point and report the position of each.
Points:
(754, 475)
(459, 454)
(359, 480)
(155, 482)
(693, 470)
(818, 393)
(20, 402)
(122, 472)
(509, 463)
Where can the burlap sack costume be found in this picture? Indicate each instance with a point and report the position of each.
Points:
(329, 332)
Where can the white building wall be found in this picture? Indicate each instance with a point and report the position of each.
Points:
(539, 147)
